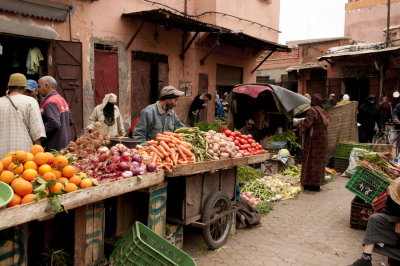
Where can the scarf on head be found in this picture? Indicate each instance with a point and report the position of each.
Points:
(108, 108)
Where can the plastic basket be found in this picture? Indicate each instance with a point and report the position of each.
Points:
(141, 246)
(359, 214)
(379, 202)
(366, 185)
(344, 149)
(340, 165)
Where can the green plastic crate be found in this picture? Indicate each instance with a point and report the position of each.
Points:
(344, 149)
(366, 185)
(141, 246)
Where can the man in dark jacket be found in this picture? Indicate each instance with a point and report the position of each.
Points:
(368, 116)
(56, 115)
(383, 231)
(199, 103)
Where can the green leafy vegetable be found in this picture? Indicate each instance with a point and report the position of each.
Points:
(289, 137)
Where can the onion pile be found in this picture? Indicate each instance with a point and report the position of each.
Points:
(118, 162)
(249, 198)
(221, 147)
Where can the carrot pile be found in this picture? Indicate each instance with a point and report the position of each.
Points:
(168, 150)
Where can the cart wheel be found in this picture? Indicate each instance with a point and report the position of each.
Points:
(216, 234)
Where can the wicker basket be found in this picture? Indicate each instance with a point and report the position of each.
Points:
(360, 212)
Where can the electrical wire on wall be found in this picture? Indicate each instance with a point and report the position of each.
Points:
(213, 12)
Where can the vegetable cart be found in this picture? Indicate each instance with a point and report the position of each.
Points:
(202, 194)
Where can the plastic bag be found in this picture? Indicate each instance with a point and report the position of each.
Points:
(353, 161)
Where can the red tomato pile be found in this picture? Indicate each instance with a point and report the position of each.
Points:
(246, 143)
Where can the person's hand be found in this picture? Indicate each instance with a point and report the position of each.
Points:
(90, 127)
(396, 121)
(296, 121)
(397, 228)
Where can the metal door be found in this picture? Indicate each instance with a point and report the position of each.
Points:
(105, 74)
(68, 73)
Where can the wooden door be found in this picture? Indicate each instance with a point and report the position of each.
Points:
(68, 73)
(141, 89)
(203, 88)
(105, 74)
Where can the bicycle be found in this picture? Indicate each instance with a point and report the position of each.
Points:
(383, 137)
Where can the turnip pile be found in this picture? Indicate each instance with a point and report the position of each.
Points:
(249, 198)
(221, 146)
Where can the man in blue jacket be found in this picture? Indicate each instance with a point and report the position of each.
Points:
(159, 117)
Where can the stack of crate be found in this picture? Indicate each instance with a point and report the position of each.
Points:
(341, 159)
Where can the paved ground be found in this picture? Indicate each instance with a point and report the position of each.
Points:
(301, 231)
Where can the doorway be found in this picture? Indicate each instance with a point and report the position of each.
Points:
(14, 57)
(357, 88)
(149, 76)
(227, 78)
(105, 71)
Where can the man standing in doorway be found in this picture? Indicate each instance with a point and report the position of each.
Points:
(159, 117)
(56, 115)
(199, 103)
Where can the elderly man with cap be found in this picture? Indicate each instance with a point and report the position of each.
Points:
(159, 117)
(56, 115)
(31, 88)
(108, 117)
(22, 124)
(383, 230)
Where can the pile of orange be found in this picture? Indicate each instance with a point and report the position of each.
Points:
(21, 171)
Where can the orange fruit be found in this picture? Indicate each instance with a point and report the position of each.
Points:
(68, 171)
(50, 158)
(16, 200)
(57, 173)
(29, 174)
(21, 186)
(19, 156)
(85, 183)
(63, 180)
(6, 161)
(1, 166)
(7, 176)
(29, 157)
(30, 165)
(36, 148)
(70, 187)
(28, 198)
(57, 187)
(16, 168)
(40, 158)
(75, 179)
(60, 161)
(44, 169)
(49, 176)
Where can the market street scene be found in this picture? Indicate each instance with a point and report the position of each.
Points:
(140, 132)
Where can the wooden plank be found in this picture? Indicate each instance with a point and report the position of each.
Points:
(157, 209)
(79, 239)
(94, 233)
(13, 246)
(17, 215)
(193, 195)
(197, 168)
(228, 182)
(211, 185)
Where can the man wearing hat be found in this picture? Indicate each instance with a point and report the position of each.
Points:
(383, 231)
(159, 117)
(368, 117)
(32, 89)
(21, 121)
(331, 100)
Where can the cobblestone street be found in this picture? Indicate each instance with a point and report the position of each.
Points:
(301, 231)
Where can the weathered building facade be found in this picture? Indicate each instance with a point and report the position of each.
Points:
(366, 20)
(134, 48)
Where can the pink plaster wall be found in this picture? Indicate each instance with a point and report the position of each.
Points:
(100, 21)
(367, 22)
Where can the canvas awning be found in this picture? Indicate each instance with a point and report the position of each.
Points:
(37, 8)
(313, 66)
